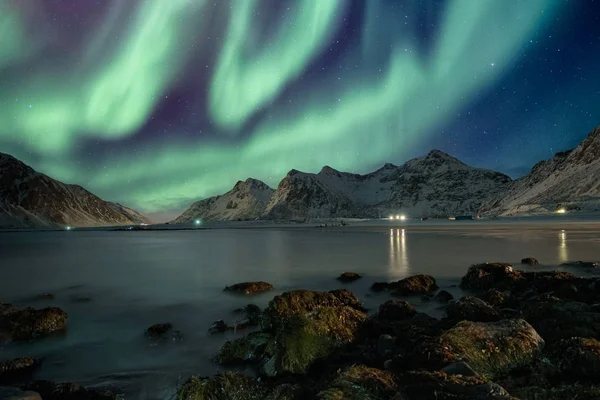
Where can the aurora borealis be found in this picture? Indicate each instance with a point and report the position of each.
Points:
(158, 103)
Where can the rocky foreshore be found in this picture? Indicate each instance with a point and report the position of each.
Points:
(515, 335)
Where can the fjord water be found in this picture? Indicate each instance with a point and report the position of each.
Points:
(114, 284)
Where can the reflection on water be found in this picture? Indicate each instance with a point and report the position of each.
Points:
(563, 253)
(398, 253)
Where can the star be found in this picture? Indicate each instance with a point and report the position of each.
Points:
(492, 64)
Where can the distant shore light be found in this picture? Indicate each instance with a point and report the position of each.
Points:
(197, 222)
(561, 211)
(402, 217)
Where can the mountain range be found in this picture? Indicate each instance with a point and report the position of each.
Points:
(29, 199)
(434, 185)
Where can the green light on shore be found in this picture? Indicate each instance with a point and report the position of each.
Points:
(197, 222)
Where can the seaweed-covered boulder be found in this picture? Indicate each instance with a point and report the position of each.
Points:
(295, 302)
(225, 386)
(498, 299)
(500, 276)
(18, 369)
(347, 277)
(472, 309)
(248, 349)
(425, 385)
(359, 382)
(249, 288)
(493, 348)
(529, 261)
(443, 296)
(413, 285)
(396, 310)
(68, 391)
(556, 319)
(578, 358)
(305, 338)
(29, 323)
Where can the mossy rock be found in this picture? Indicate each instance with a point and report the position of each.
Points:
(472, 309)
(493, 348)
(564, 392)
(360, 383)
(305, 301)
(413, 285)
(225, 386)
(425, 385)
(248, 349)
(500, 276)
(249, 288)
(304, 339)
(17, 369)
(556, 319)
(29, 323)
(578, 358)
(286, 391)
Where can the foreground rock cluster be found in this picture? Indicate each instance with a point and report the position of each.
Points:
(517, 335)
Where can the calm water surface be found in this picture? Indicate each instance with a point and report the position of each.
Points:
(136, 279)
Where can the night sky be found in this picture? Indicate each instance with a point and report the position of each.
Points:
(158, 103)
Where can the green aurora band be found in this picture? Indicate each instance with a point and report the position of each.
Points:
(348, 123)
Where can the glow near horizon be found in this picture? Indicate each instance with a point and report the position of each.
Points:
(346, 122)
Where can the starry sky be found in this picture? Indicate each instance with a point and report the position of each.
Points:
(158, 103)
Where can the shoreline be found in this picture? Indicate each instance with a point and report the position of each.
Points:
(399, 351)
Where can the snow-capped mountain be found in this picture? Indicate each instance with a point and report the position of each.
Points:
(246, 201)
(571, 179)
(434, 185)
(29, 199)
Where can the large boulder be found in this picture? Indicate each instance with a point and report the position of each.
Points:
(472, 309)
(249, 288)
(499, 276)
(225, 386)
(348, 277)
(493, 348)
(359, 382)
(295, 302)
(248, 349)
(413, 285)
(29, 323)
(578, 358)
(556, 319)
(396, 310)
(18, 369)
(425, 385)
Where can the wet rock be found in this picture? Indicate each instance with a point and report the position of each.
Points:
(529, 261)
(305, 338)
(295, 302)
(424, 385)
(496, 298)
(163, 333)
(444, 296)
(249, 349)
(396, 310)
(252, 314)
(493, 348)
(385, 345)
(459, 368)
(68, 391)
(218, 327)
(580, 264)
(472, 309)
(18, 369)
(224, 386)
(499, 276)
(249, 288)
(29, 323)
(12, 393)
(360, 382)
(347, 277)
(510, 313)
(578, 358)
(557, 319)
(413, 285)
